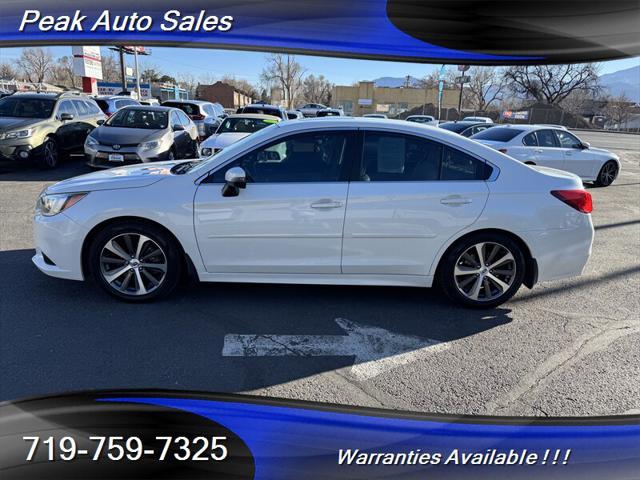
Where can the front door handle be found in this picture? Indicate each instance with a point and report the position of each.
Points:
(326, 203)
(455, 200)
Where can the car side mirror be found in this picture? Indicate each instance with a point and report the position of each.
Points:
(235, 178)
(585, 145)
(66, 116)
(100, 122)
(178, 128)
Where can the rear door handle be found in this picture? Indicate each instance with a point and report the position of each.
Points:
(455, 200)
(326, 204)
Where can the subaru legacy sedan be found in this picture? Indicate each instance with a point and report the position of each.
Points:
(346, 201)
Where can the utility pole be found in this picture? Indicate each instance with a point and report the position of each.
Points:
(461, 69)
(123, 69)
(135, 56)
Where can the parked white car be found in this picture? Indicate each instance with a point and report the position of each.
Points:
(423, 119)
(554, 147)
(477, 119)
(341, 200)
(374, 115)
(234, 128)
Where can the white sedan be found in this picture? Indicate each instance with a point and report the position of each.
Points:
(554, 147)
(346, 201)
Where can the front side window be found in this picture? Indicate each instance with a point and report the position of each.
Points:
(567, 140)
(305, 157)
(182, 118)
(546, 138)
(66, 107)
(395, 158)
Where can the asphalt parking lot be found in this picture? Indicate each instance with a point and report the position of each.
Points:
(564, 348)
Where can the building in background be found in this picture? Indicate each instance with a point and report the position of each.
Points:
(223, 93)
(168, 91)
(365, 97)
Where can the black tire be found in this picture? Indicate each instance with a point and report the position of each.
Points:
(49, 157)
(196, 149)
(608, 173)
(447, 278)
(102, 261)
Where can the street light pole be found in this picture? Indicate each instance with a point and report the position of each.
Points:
(123, 71)
(135, 56)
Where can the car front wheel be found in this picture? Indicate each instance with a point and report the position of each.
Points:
(483, 270)
(135, 261)
(607, 174)
(50, 154)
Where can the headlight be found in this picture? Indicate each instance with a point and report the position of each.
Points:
(149, 145)
(206, 152)
(91, 142)
(49, 205)
(17, 134)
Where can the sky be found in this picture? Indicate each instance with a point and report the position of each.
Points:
(248, 65)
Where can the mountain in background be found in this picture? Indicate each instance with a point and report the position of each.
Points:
(625, 81)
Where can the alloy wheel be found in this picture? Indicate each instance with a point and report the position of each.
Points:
(608, 174)
(133, 264)
(50, 154)
(485, 271)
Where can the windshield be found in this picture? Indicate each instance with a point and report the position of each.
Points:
(26, 107)
(244, 125)
(137, 118)
(262, 111)
(498, 134)
(420, 119)
(188, 108)
(455, 127)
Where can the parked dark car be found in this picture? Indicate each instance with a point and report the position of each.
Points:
(206, 115)
(466, 129)
(44, 126)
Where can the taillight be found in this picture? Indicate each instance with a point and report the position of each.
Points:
(197, 117)
(502, 150)
(578, 199)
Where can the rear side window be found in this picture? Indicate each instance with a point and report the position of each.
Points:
(546, 138)
(498, 134)
(93, 108)
(390, 157)
(184, 120)
(66, 107)
(81, 107)
(530, 140)
(188, 108)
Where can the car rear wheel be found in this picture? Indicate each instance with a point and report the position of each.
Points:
(50, 154)
(608, 174)
(483, 270)
(135, 261)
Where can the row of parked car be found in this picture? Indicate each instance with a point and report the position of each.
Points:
(119, 130)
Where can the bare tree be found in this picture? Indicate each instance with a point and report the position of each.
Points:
(317, 89)
(552, 83)
(189, 83)
(285, 72)
(617, 110)
(486, 86)
(35, 63)
(110, 68)
(429, 81)
(62, 73)
(7, 72)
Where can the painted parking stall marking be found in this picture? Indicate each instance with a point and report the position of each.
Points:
(375, 349)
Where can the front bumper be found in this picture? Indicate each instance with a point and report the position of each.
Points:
(18, 152)
(99, 158)
(58, 241)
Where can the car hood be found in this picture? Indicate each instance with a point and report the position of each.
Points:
(223, 139)
(12, 123)
(125, 136)
(130, 176)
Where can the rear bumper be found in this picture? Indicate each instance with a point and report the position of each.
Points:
(561, 253)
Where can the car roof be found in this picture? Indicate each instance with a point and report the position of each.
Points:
(152, 108)
(254, 115)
